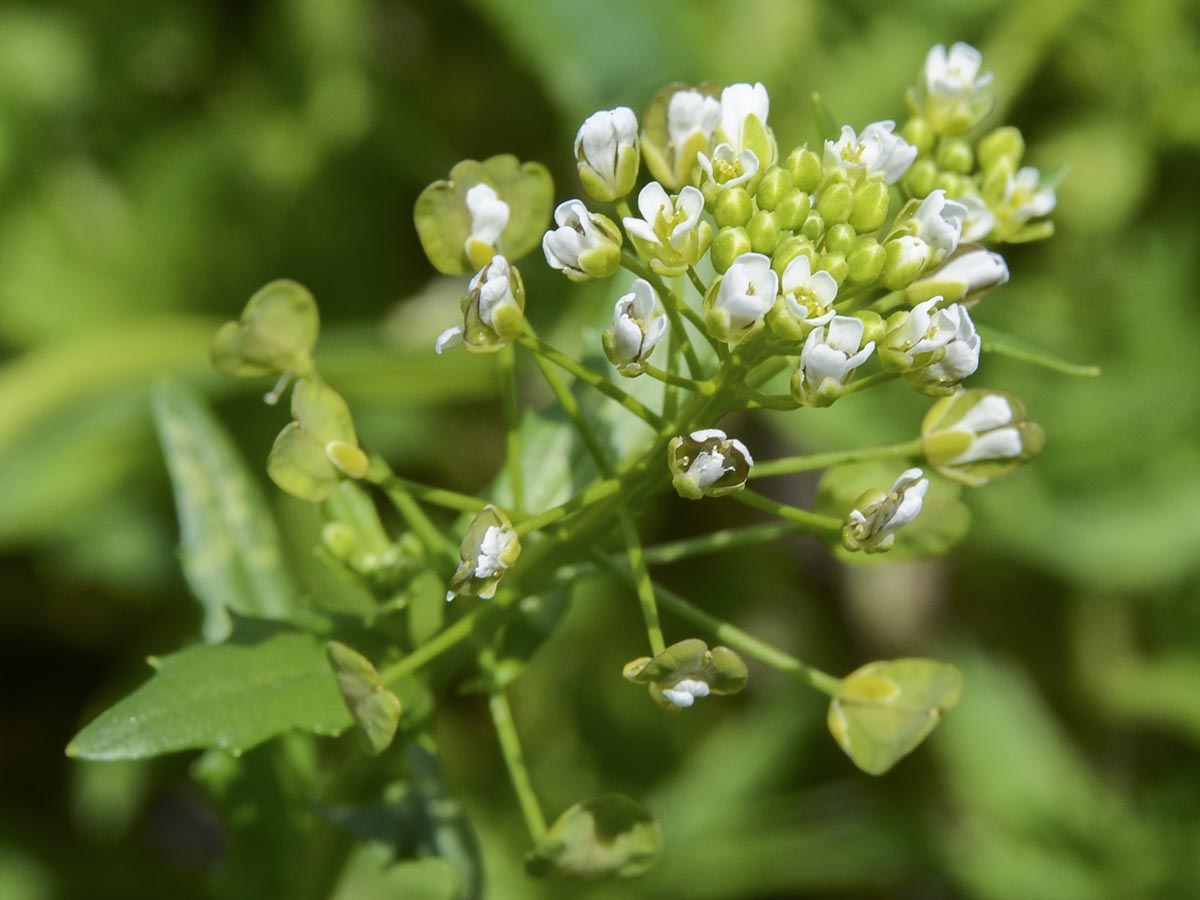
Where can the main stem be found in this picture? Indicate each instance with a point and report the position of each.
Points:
(792, 464)
(514, 759)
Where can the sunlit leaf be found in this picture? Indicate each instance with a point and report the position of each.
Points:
(606, 837)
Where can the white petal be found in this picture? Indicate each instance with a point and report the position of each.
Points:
(796, 275)
(990, 411)
(651, 200)
(448, 338)
(1003, 443)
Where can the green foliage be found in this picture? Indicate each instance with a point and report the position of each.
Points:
(606, 837)
(228, 696)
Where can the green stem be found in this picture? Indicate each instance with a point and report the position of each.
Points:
(518, 774)
(888, 302)
(641, 580)
(791, 464)
(592, 494)
(707, 388)
(592, 379)
(700, 286)
(812, 521)
(445, 640)
(381, 475)
(675, 309)
(717, 541)
(574, 412)
(436, 543)
(862, 384)
(506, 359)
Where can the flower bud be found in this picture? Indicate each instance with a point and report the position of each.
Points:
(906, 257)
(788, 249)
(606, 149)
(831, 354)
(813, 227)
(921, 178)
(977, 435)
(938, 221)
(763, 229)
(733, 207)
(953, 94)
(489, 548)
(871, 203)
(708, 464)
(670, 233)
(585, 246)
(744, 109)
(918, 133)
(677, 126)
(874, 328)
(956, 156)
(865, 262)
(776, 184)
(805, 168)
(965, 277)
(737, 301)
(1004, 145)
(871, 526)
(793, 209)
(493, 311)
(835, 264)
(635, 329)
(687, 671)
(836, 202)
(840, 238)
(728, 245)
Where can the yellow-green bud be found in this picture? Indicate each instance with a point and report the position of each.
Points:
(920, 178)
(871, 203)
(1004, 143)
(956, 156)
(793, 208)
(952, 183)
(835, 264)
(873, 325)
(906, 256)
(813, 227)
(805, 168)
(733, 207)
(788, 249)
(774, 187)
(866, 261)
(763, 229)
(840, 238)
(728, 245)
(836, 202)
(918, 132)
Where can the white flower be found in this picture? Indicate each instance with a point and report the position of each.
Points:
(489, 215)
(974, 436)
(831, 353)
(989, 422)
(686, 692)
(666, 221)
(808, 295)
(728, 168)
(708, 463)
(955, 76)
(635, 329)
(584, 245)
(877, 151)
(493, 549)
(492, 300)
(738, 103)
(744, 296)
(1026, 196)
(873, 528)
(939, 223)
(980, 219)
(689, 112)
(606, 149)
(924, 332)
(977, 270)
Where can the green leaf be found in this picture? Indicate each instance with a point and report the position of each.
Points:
(606, 837)
(276, 333)
(231, 550)
(1019, 349)
(375, 709)
(943, 521)
(228, 696)
(885, 709)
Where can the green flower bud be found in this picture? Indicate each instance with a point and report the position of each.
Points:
(793, 209)
(871, 203)
(606, 151)
(1004, 145)
(319, 448)
(708, 464)
(920, 178)
(776, 184)
(788, 248)
(493, 311)
(865, 262)
(874, 328)
(836, 202)
(585, 246)
(805, 168)
(813, 227)
(489, 548)
(906, 257)
(733, 207)
(763, 229)
(976, 435)
(840, 238)
(276, 334)
(956, 156)
(835, 264)
(728, 245)
(918, 133)
(497, 206)
(686, 671)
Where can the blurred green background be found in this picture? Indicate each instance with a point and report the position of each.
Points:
(160, 160)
